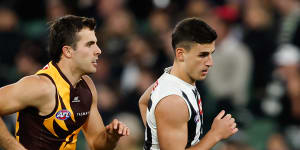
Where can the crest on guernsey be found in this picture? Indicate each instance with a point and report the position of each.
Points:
(63, 114)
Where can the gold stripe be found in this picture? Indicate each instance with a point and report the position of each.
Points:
(63, 87)
(48, 123)
(66, 99)
(17, 127)
(72, 145)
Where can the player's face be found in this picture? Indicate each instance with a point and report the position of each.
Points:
(86, 52)
(198, 60)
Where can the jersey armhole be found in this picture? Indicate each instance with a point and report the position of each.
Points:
(56, 97)
(189, 108)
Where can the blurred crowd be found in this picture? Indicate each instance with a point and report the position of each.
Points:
(255, 77)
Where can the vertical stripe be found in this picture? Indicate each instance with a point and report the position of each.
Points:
(148, 142)
(191, 123)
(149, 104)
(17, 127)
(199, 102)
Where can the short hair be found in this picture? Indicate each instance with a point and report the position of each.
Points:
(63, 32)
(192, 30)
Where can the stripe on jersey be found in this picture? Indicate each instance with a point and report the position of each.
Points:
(148, 142)
(149, 104)
(191, 123)
(197, 96)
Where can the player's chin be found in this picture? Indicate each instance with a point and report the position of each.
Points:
(91, 71)
(201, 77)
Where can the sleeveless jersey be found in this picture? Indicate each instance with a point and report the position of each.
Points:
(59, 129)
(167, 85)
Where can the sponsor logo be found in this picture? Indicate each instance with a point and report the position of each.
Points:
(63, 114)
(76, 100)
(82, 113)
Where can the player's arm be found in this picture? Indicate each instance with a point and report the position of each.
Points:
(97, 135)
(29, 91)
(143, 103)
(172, 115)
(223, 127)
(7, 141)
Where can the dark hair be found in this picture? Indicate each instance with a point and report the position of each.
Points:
(192, 30)
(63, 32)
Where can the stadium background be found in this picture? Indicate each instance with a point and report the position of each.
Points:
(256, 73)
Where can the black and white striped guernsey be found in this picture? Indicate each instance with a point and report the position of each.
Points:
(167, 85)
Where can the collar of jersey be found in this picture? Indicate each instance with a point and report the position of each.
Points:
(180, 81)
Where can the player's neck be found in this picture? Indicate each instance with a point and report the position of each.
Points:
(179, 72)
(69, 70)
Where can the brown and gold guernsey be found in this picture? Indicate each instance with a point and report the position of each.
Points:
(59, 129)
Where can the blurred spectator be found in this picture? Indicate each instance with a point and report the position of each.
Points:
(30, 58)
(104, 73)
(135, 140)
(105, 8)
(144, 79)
(139, 55)
(159, 21)
(289, 11)
(229, 78)
(196, 8)
(160, 34)
(107, 102)
(9, 37)
(276, 142)
(56, 9)
(113, 36)
(10, 40)
(259, 36)
(283, 94)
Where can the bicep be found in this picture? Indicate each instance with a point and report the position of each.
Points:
(27, 92)
(172, 115)
(10, 100)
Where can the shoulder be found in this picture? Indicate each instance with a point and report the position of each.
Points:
(34, 90)
(163, 88)
(174, 107)
(37, 83)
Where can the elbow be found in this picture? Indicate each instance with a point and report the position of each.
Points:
(140, 103)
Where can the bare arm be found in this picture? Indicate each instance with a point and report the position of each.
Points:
(7, 141)
(97, 135)
(143, 103)
(222, 128)
(172, 126)
(18, 96)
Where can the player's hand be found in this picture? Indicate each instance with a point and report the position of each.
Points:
(117, 129)
(223, 126)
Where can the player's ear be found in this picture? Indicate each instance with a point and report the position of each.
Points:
(67, 51)
(179, 54)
